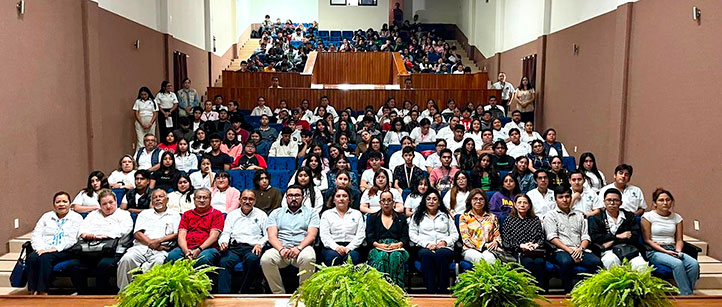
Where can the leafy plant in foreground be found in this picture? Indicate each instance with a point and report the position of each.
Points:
(171, 284)
(349, 285)
(497, 284)
(623, 286)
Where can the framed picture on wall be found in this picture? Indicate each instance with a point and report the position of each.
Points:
(338, 2)
(368, 2)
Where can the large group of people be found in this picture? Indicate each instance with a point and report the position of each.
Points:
(284, 47)
(506, 185)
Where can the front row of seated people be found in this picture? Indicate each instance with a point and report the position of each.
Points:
(385, 237)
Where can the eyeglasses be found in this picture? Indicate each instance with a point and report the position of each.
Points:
(386, 200)
(477, 200)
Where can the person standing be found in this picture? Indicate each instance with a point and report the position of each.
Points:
(168, 104)
(146, 114)
(507, 90)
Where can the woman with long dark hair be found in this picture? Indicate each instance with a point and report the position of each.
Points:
(181, 199)
(558, 175)
(169, 142)
(315, 164)
(342, 230)
(484, 175)
(433, 230)
(146, 114)
(468, 157)
(523, 175)
(370, 200)
(200, 143)
(524, 97)
(87, 198)
(268, 198)
(593, 177)
(502, 202)
(185, 161)
(456, 197)
(413, 200)
(388, 233)
(312, 196)
(167, 175)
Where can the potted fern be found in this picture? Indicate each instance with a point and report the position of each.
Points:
(171, 284)
(623, 286)
(349, 285)
(497, 284)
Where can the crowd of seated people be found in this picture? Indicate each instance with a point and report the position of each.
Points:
(464, 192)
(284, 47)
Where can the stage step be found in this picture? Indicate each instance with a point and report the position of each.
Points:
(16, 245)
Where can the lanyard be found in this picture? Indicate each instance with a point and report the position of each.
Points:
(408, 176)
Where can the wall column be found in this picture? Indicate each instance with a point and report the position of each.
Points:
(620, 81)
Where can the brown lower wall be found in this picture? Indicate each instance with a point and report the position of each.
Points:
(511, 62)
(639, 91)
(70, 76)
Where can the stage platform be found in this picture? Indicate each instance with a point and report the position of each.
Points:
(282, 300)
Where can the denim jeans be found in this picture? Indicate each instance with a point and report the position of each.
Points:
(685, 270)
(208, 256)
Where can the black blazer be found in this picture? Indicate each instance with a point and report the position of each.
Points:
(375, 230)
(599, 231)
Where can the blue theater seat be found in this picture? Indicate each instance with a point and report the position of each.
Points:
(281, 163)
(393, 148)
(241, 179)
(425, 146)
(569, 163)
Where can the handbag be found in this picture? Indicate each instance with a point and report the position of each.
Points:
(95, 248)
(535, 253)
(502, 255)
(19, 276)
(625, 251)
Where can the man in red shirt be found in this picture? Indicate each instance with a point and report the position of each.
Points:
(198, 232)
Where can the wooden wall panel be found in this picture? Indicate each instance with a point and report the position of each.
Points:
(354, 68)
(356, 99)
(263, 79)
(450, 81)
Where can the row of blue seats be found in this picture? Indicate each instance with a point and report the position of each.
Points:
(335, 35)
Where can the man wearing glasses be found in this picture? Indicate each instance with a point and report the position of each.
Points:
(291, 232)
(632, 196)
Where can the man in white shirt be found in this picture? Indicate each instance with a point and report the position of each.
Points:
(367, 177)
(324, 104)
(515, 148)
(423, 133)
(242, 240)
(515, 122)
(156, 230)
(582, 199)
(457, 140)
(261, 108)
(632, 196)
(448, 132)
(398, 159)
(542, 198)
(434, 160)
(275, 83)
(284, 146)
(507, 89)
(148, 157)
(297, 36)
(306, 113)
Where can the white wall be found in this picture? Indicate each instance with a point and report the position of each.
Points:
(522, 22)
(485, 25)
(352, 17)
(223, 24)
(185, 22)
(433, 11)
(566, 13)
(243, 16)
(145, 12)
(296, 10)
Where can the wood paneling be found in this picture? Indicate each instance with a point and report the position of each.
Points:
(399, 69)
(354, 68)
(310, 63)
(356, 99)
(450, 81)
(263, 79)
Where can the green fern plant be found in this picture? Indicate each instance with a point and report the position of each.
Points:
(171, 284)
(349, 285)
(497, 284)
(623, 286)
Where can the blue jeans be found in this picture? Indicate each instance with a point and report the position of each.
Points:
(208, 256)
(435, 264)
(685, 270)
(331, 257)
(566, 265)
(231, 257)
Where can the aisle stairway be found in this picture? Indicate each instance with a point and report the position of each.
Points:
(245, 53)
(710, 282)
(464, 57)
